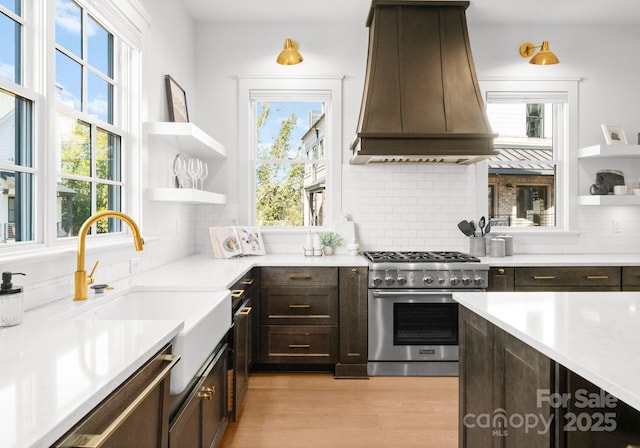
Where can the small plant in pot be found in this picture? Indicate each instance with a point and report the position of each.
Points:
(330, 240)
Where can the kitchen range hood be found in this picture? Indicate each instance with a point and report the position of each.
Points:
(421, 100)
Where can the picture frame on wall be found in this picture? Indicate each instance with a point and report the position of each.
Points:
(614, 135)
(176, 100)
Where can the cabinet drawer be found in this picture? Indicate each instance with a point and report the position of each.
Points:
(136, 414)
(299, 276)
(300, 344)
(631, 276)
(595, 277)
(316, 305)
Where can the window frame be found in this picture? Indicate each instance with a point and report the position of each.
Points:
(327, 89)
(126, 20)
(566, 159)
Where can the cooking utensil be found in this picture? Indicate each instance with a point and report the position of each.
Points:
(472, 224)
(465, 227)
(481, 224)
(487, 229)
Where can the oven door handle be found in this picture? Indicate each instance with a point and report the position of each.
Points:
(421, 296)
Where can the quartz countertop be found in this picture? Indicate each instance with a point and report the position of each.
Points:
(531, 260)
(54, 372)
(594, 334)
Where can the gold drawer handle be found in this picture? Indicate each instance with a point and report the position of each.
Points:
(237, 293)
(544, 277)
(299, 306)
(97, 440)
(501, 271)
(245, 311)
(247, 281)
(206, 393)
(299, 346)
(597, 277)
(299, 277)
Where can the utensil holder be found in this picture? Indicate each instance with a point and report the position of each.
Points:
(477, 246)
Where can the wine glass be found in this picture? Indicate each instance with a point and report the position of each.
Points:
(179, 171)
(204, 172)
(195, 169)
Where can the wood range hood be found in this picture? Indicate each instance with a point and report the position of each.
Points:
(421, 100)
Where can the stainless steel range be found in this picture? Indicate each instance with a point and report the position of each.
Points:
(413, 319)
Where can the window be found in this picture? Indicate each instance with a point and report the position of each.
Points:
(77, 114)
(293, 156)
(527, 180)
(89, 150)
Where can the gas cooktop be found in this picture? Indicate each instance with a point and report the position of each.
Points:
(420, 257)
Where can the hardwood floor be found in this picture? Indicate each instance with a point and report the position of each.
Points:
(308, 410)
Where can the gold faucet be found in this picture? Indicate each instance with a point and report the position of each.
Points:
(82, 280)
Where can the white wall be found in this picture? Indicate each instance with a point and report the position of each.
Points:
(414, 206)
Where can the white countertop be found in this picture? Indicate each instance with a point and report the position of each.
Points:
(594, 334)
(53, 373)
(204, 271)
(527, 260)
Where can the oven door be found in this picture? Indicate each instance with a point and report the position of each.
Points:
(412, 325)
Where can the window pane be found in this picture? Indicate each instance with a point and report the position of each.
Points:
(73, 206)
(108, 197)
(15, 6)
(279, 194)
(16, 206)
(75, 147)
(99, 48)
(68, 81)
(69, 26)
(16, 144)
(10, 49)
(108, 155)
(99, 98)
(522, 178)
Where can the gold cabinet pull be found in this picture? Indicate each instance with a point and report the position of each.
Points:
(245, 311)
(501, 271)
(97, 440)
(597, 277)
(544, 277)
(299, 346)
(206, 393)
(299, 277)
(237, 293)
(294, 305)
(247, 281)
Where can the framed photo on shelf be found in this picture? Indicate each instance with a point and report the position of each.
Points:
(177, 101)
(614, 135)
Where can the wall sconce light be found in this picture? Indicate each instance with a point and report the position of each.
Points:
(544, 56)
(289, 54)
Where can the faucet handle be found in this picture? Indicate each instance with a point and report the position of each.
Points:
(90, 278)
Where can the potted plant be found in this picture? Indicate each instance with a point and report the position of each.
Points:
(330, 240)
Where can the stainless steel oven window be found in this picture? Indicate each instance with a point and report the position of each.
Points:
(425, 324)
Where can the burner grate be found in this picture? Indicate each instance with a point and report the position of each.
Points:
(425, 257)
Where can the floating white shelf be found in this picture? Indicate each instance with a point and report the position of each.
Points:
(188, 137)
(185, 195)
(609, 151)
(626, 199)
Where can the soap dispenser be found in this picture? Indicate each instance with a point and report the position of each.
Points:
(11, 301)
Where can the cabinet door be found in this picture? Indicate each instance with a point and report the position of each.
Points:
(476, 378)
(296, 305)
(136, 414)
(501, 279)
(241, 352)
(352, 298)
(299, 344)
(521, 373)
(631, 278)
(202, 420)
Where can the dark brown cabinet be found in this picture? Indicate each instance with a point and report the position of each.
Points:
(631, 278)
(299, 315)
(501, 279)
(202, 419)
(500, 376)
(246, 303)
(581, 278)
(135, 414)
(353, 323)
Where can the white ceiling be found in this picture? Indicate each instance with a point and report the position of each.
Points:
(355, 11)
